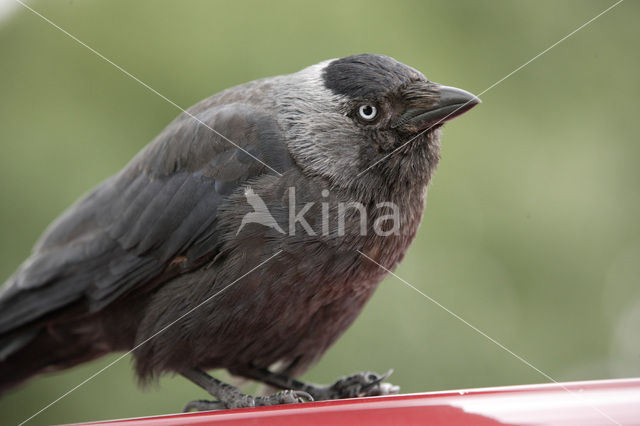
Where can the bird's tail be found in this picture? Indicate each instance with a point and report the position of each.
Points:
(17, 363)
(27, 352)
(10, 376)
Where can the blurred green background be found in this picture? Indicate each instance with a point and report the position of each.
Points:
(531, 232)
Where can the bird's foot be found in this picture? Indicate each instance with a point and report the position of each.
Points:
(241, 400)
(357, 385)
(231, 397)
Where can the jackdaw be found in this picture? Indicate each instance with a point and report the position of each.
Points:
(247, 236)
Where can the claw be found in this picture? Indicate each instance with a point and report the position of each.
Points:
(303, 396)
(377, 380)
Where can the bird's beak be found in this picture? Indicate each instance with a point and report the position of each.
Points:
(451, 102)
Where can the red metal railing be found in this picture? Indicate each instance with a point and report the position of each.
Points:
(604, 402)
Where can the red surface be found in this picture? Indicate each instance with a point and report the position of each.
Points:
(605, 402)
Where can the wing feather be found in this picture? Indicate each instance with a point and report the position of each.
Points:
(164, 204)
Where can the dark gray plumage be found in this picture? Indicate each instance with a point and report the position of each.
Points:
(158, 238)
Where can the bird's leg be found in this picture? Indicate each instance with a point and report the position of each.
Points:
(231, 397)
(361, 384)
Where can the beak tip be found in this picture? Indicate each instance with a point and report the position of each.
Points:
(452, 102)
(454, 95)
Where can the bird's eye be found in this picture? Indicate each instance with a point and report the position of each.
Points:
(368, 112)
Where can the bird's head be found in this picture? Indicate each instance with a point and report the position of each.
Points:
(349, 120)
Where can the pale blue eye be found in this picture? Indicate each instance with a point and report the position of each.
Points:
(368, 112)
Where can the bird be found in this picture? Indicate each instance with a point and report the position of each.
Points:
(158, 259)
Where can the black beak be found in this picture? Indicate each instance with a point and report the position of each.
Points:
(451, 103)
